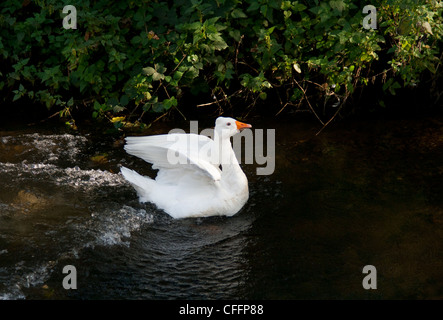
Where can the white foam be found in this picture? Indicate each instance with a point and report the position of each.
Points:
(15, 293)
(39, 275)
(36, 277)
(51, 147)
(74, 177)
(108, 227)
(89, 178)
(110, 224)
(111, 227)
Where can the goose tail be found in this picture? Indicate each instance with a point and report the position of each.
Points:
(143, 185)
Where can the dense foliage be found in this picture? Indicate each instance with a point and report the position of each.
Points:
(127, 58)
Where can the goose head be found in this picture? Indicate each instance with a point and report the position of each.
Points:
(227, 127)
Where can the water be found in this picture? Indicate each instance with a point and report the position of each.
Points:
(358, 194)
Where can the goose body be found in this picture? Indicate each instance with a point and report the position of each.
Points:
(197, 177)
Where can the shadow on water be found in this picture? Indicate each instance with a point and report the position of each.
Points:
(365, 194)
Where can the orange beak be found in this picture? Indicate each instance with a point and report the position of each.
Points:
(241, 125)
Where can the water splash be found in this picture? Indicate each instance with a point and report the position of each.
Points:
(74, 177)
(113, 227)
(42, 172)
(46, 148)
(110, 226)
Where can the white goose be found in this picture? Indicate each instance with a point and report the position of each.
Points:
(190, 182)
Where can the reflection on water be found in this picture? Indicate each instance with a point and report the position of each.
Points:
(367, 193)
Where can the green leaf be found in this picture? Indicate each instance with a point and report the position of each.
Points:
(199, 65)
(20, 36)
(297, 67)
(117, 109)
(254, 6)
(97, 106)
(112, 101)
(136, 40)
(427, 27)
(263, 95)
(192, 73)
(16, 97)
(238, 13)
(158, 107)
(149, 71)
(169, 103)
(338, 5)
(124, 100)
(178, 75)
(147, 95)
(158, 76)
(215, 37)
(83, 86)
(160, 68)
(266, 84)
(220, 45)
(298, 7)
(235, 34)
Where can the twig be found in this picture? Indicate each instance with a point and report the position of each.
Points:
(307, 100)
(236, 51)
(281, 109)
(175, 107)
(250, 107)
(439, 62)
(242, 62)
(225, 98)
(317, 84)
(208, 104)
(184, 56)
(383, 72)
(333, 117)
(158, 118)
(132, 112)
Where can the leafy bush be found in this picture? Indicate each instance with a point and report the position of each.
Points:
(131, 57)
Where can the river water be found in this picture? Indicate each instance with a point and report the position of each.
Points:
(365, 193)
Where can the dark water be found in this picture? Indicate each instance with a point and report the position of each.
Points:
(358, 194)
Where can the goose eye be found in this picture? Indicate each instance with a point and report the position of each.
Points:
(228, 124)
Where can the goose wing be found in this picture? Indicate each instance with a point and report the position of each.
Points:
(170, 151)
